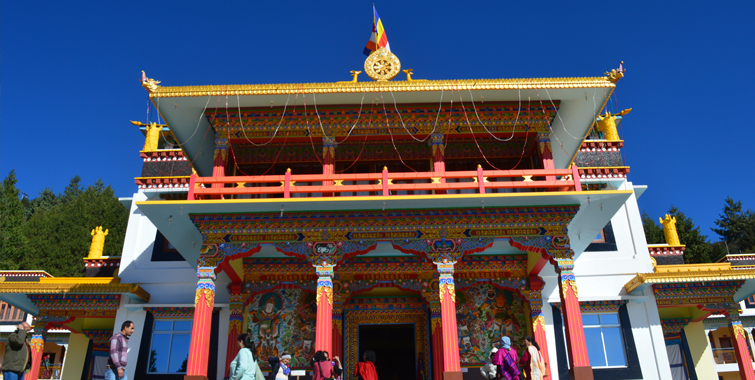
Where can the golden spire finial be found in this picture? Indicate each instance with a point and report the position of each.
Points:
(607, 124)
(669, 230)
(153, 135)
(98, 243)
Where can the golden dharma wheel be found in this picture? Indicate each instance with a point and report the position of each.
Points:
(382, 65)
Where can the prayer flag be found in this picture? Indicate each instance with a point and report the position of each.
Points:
(378, 39)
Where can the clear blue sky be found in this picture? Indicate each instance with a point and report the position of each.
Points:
(69, 75)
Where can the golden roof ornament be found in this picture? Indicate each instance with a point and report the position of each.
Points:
(382, 65)
(149, 84)
(669, 230)
(153, 135)
(607, 124)
(98, 243)
(616, 74)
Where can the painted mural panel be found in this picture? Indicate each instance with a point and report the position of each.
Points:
(484, 314)
(284, 321)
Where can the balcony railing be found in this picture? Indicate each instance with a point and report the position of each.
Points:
(724, 356)
(382, 184)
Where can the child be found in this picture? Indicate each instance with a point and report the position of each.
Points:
(489, 370)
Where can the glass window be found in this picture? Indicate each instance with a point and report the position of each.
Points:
(169, 352)
(605, 344)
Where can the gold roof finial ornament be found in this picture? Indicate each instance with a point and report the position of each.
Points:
(149, 84)
(355, 74)
(382, 65)
(607, 124)
(153, 135)
(98, 243)
(669, 230)
(616, 74)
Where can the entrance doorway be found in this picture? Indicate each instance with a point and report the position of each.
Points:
(394, 346)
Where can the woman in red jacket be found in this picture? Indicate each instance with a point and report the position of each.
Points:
(365, 370)
(322, 368)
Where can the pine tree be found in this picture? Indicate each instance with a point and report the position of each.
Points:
(653, 232)
(12, 240)
(736, 227)
(62, 233)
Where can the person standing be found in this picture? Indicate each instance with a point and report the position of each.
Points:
(280, 369)
(17, 353)
(506, 360)
(336, 363)
(532, 361)
(365, 370)
(322, 368)
(116, 363)
(489, 370)
(244, 366)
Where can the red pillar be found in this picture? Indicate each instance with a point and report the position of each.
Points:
(744, 362)
(575, 333)
(220, 160)
(337, 342)
(328, 160)
(439, 163)
(324, 329)
(436, 330)
(447, 289)
(37, 348)
(199, 347)
(535, 299)
(235, 325)
(546, 153)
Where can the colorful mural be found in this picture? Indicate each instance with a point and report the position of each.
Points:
(484, 313)
(284, 321)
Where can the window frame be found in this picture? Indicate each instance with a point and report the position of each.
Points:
(600, 326)
(631, 371)
(170, 332)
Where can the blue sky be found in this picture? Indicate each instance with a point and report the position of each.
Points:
(69, 75)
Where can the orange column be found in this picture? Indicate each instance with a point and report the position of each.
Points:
(37, 348)
(324, 329)
(744, 362)
(199, 347)
(447, 289)
(235, 325)
(436, 330)
(575, 333)
(535, 299)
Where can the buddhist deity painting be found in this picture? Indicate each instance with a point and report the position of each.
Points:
(484, 314)
(284, 321)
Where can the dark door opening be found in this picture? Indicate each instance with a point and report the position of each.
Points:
(394, 350)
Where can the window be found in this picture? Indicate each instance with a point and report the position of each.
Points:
(604, 242)
(615, 344)
(605, 346)
(164, 251)
(169, 352)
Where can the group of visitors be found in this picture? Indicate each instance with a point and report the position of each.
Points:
(505, 364)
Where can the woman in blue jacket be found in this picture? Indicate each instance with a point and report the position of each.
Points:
(244, 366)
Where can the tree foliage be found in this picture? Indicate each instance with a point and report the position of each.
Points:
(52, 232)
(698, 248)
(736, 227)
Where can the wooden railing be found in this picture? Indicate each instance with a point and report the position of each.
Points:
(381, 184)
(9, 315)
